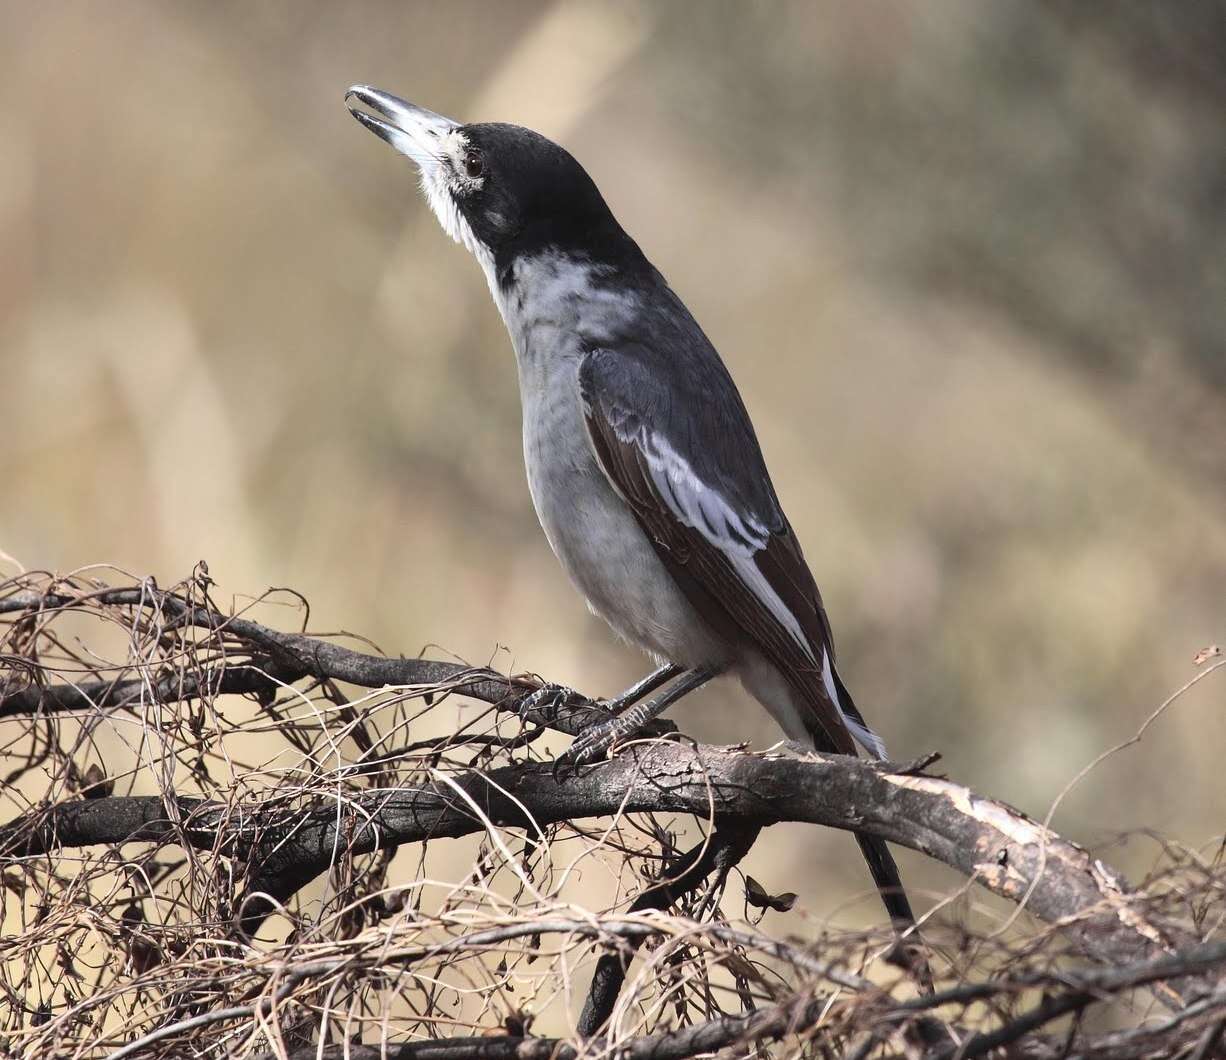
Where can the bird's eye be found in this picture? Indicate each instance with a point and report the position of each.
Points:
(473, 165)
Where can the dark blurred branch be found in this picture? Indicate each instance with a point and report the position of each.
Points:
(1205, 962)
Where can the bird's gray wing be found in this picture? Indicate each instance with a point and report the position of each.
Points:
(685, 458)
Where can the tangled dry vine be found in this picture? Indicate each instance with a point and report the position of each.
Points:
(223, 839)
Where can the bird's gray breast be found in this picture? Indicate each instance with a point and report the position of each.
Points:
(555, 316)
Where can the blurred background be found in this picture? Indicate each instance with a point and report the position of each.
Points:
(967, 263)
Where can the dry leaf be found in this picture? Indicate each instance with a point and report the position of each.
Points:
(755, 895)
(95, 784)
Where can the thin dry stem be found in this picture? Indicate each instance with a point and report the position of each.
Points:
(416, 875)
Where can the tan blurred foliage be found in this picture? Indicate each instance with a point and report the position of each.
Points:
(965, 261)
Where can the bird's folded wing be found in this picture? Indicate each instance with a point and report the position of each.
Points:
(686, 460)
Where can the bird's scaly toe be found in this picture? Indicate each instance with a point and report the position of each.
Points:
(592, 745)
(548, 700)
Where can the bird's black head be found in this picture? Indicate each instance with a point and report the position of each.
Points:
(501, 190)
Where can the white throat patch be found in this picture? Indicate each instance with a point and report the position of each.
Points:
(441, 174)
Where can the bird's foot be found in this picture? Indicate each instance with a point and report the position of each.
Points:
(548, 701)
(596, 739)
(592, 744)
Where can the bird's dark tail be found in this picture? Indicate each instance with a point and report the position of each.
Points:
(889, 882)
(817, 707)
(910, 952)
(882, 866)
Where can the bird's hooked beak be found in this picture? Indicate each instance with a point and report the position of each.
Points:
(411, 130)
(436, 144)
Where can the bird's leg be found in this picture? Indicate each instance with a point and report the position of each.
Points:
(643, 688)
(597, 739)
(550, 698)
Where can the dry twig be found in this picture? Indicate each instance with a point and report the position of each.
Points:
(178, 774)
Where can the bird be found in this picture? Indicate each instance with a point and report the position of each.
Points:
(644, 468)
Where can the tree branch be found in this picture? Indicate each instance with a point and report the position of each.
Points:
(995, 845)
(289, 835)
(795, 1017)
(727, 844)
(281, 658)
(801, 1012)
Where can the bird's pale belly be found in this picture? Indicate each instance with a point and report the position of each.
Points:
(601, 545)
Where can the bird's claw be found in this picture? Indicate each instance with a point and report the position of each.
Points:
(589, 746)
(548, 701)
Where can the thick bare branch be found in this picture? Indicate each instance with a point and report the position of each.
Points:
(260, 826)
(999, 847)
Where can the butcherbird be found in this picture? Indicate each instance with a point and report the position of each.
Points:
(644, 467)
